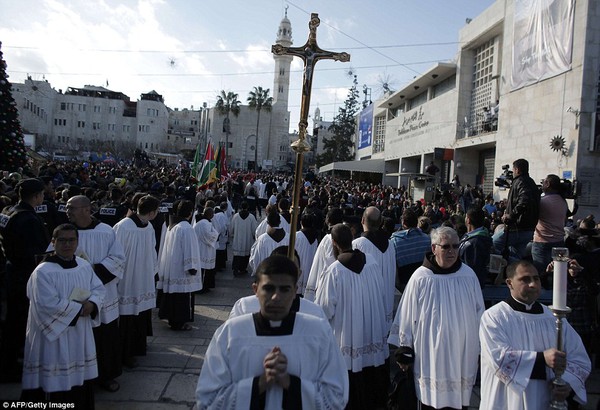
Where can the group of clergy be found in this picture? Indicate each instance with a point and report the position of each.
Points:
(91, 303)
(81, 327)
(439, 333)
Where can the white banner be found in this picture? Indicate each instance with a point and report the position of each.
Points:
(543, 40)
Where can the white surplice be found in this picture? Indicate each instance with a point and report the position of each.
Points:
(306, 252)
(438, 316)
(137, 291)
(387, 268)
(241, 232)
(58, 356)
(235, 357)
(353, 304)
(323, 258)
(207, 237)
(221, 224)
(100, 245)
(250, 304)
(262, 248)
(510, 341)
(177, 256)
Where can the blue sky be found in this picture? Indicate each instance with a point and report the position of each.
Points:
(190, 50)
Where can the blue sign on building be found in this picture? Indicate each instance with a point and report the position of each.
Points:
(365, 127)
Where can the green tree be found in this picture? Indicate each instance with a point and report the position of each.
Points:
(227, 102)
(12, 154)
(339, 146)
(259, 99)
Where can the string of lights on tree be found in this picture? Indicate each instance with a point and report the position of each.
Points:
(12, 151)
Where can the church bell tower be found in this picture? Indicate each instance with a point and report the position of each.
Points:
(281, 81)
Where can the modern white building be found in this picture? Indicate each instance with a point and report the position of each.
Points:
(534, 66)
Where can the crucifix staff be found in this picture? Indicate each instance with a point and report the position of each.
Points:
(310, 53)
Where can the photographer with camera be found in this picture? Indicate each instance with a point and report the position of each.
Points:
(522, 210)
(549, 231)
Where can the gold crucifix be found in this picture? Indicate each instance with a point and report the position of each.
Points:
(310, 53)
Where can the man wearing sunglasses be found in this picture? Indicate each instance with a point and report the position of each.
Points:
(436, 321)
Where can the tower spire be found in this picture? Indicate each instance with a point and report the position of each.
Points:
(281, 80)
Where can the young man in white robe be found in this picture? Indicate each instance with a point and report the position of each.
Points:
(241, 232)
(306, 246)
(351, 297)
(250, 304)
(518, 349)
(274, 358)
(206, 239)
(373, 241)
(264, 245)
(324, 256)
(98, 244)
(60, 353)
(179, 268)
(137, 293)
(437, 319)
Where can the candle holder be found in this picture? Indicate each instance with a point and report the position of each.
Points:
(559, 313)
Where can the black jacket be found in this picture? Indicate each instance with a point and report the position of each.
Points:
(523, 205)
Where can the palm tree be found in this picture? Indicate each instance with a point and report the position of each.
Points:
(259, 99)
(227, 102)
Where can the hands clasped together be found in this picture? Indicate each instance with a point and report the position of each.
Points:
(275, 365)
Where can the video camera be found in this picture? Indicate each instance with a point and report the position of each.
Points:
(569, 189)
(506, 178)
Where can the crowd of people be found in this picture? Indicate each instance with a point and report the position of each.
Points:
(90, 249)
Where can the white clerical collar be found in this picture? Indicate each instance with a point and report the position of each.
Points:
(275, 323)
(527, 307)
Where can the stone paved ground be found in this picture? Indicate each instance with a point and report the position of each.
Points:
(166, 378)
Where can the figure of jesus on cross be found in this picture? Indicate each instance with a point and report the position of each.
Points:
(310, 53)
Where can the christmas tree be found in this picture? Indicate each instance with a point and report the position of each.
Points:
(12, 151)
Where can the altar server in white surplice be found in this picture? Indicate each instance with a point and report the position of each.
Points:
(221, 223)
(306, 246)
(137, 293)
(323, 257)
(98, 244)
(438, 318)
(376, 243)
(350, 296)
(179, 268)
(207, 237)
(275, 358)
(242, 229)
(264, 245)
(60, 353)
(518, 354)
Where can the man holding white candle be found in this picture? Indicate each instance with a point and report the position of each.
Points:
(518, 354)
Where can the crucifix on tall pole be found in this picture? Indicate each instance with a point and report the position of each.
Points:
(310, 53)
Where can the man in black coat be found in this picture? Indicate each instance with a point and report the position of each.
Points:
(522, 210)
(23, 237)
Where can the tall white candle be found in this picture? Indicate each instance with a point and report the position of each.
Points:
(559, 289)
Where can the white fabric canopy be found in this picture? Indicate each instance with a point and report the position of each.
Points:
(376, 166)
